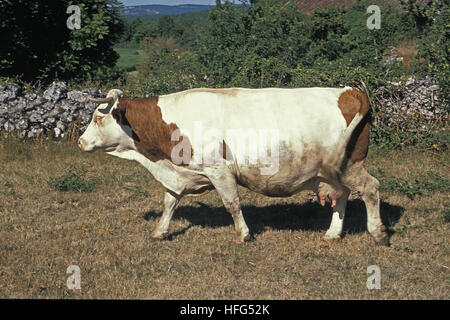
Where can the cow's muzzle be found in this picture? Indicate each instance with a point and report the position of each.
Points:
(80, 144)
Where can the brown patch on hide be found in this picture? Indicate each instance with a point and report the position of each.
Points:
(151, 135)
(98, 120)
(352, 102)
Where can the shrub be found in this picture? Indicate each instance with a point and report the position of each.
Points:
(435, 47)
(72, 181)
(166, 67)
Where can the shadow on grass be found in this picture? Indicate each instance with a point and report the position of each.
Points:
(305, 216)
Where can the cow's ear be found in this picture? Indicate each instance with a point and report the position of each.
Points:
(119, 115)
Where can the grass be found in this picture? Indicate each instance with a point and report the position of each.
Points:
(72, 181)
(128, 58)
(428, 182)
(107, 233)
(408, 51)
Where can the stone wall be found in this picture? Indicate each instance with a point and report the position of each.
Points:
(55, 111)
(408, 97)
(411, 104)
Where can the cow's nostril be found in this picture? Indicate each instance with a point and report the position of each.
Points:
(80, 144)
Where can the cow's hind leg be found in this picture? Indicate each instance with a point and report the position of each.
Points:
(170, 202)
(367, 186)
(370, 196)
(225, 184)
(339, 204)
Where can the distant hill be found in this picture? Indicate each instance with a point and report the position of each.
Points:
(159, 9)
(308, 6)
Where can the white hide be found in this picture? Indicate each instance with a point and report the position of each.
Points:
(309, 125)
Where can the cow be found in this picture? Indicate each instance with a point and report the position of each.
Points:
(201, 139)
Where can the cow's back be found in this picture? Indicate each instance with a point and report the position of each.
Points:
(309, 113)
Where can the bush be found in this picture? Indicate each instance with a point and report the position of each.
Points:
(265, 45)
(435, 47)
(72, 181)
(166, 67)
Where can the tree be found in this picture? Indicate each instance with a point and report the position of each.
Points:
(253, 46)
(166, 67)
(167, 27)
(37, 44)
(130, 29)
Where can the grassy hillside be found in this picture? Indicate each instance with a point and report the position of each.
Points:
(129, 58)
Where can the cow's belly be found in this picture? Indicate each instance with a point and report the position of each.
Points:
(290, 178)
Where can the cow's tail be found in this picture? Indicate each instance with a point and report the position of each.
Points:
(332, 168)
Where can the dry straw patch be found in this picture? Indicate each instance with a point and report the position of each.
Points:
(107, 233)
(408, 51)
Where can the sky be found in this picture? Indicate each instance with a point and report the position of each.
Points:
(166, 2)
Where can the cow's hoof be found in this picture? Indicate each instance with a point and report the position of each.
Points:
(159, 236)
(382, 240)
(243, 239)
(332, 236)
(381, 237)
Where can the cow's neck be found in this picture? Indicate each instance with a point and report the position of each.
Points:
(161, 170)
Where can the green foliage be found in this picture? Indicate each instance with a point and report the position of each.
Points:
(74, 180)
(137, 192)
(432, 20)
(38, 46)
(225, 49)
(431, 183)
(403, 187)
(166, 67)
(264, 45)
(435, 45)
(446, 214)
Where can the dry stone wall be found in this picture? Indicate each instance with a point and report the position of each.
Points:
(55, 111)
(410, 105)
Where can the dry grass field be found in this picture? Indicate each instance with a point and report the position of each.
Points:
(105, 229)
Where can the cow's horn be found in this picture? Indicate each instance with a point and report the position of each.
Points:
(102, 100)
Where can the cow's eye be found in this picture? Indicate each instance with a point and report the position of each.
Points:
(98, 120)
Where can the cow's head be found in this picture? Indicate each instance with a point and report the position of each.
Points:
(105, 132)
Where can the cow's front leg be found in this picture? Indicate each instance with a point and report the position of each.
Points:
(170, 202)
(225, 184)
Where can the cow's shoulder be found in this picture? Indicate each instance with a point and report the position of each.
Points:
(152, 135)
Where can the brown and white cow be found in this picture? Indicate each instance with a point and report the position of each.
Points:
(273, 141)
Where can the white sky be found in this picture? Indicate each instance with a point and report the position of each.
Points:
(166, 2)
